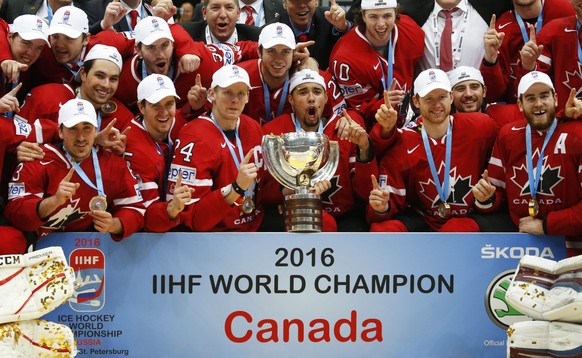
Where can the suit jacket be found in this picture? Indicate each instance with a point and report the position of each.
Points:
(98, 7)
(322, 32)
(273, 11)
(420, 10)
(196, 31)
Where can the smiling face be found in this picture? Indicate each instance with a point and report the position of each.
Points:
(158, 117)
(308, 101)
(300, 12)
(221, 17)
(25, 51)
(158, 56)
(435, 107)
(276, 62)
(379, 25)
(78, 140)
(538, 104)
(100, 82)
(67, 49)
(468, 96)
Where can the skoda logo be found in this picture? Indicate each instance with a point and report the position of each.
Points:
(498, 309)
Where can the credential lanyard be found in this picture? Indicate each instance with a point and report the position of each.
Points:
(534, 181)
(167, 159)
(578, 40)
(98, 179)
(443, 190)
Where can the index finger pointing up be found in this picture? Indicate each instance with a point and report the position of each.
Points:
(492, 22)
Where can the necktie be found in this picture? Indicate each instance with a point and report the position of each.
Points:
(250, 19)
(446, 50)
(302, 37)
(133, 15)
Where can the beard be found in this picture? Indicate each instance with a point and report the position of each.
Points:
(542, 125)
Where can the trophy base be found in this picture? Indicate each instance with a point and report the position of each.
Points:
(303, 213)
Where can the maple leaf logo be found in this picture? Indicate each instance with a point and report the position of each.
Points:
(65, 215)
(574, 79)
(459, 189)
(548, 180)
(335, 187)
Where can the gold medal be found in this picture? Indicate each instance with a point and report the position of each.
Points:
(109, 107)
(533, 207)
(247, 206)
(98, 203)
(444, 210)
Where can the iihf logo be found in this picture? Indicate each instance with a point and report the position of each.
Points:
(89, 266)
(66, 16)
(38, 25)
(534, 75)
(161, 83)
(235, 71)
(155, 24)
(432, 76)
(80, 107)
(280, 31)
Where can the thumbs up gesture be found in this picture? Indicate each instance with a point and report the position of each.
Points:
(483, 190)
(379, 197)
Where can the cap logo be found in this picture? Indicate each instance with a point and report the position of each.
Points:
(161, 84)
(38, 25)
(534, 75)
(66, 17)
(114, 57)
(432, 76)
(80, 108)
(463, 75)
(155, 24)
(279, 31)
(235, 71)
(308, 77)
(379, 3)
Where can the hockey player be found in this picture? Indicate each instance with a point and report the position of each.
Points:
(76, 186)
(149, 150)
(432, 167)
(350, 185)
(535, 167)
(216, 155)
(383, 49)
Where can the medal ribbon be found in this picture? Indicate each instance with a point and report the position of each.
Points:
(49, 11)
(237, 162)
(167, 159)
(578, 40)
(535, 181)
(522, 24)
(267, 97)
(81, 172)
(144, 71)
(298, 126)
(443, 190)
(387, 78)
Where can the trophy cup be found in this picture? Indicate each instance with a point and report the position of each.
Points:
(296, 160)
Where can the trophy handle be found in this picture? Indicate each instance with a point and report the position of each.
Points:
(329, 168)
(272, 155)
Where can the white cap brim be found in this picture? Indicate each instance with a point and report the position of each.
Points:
(56, 29)
(153, 38)
(70, 123)
(29, 36)
(158, 96)
(271, 43)
(432, 87)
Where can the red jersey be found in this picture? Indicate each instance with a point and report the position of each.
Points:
(558, 194)
(362, 73)
(559, 58)
(405, 172)
(203, 158)
(149, 162)
(351, 181)
(212, 57)
(34, 181)
(500, 78)
(46, 100)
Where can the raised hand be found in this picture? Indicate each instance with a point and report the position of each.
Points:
(356, 134)
(573, 108)
(114, 12)
(301, 53)
(530, 51)
(483, 190)
(492, 41)
(182, 195)
(336, 16)
(28, 152)
(320, 187)
(247, 172)
(9, 102)
(66, 190)
(386, 116)
(379, 197)
(197, 94)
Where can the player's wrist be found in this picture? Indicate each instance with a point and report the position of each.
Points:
(237, 189)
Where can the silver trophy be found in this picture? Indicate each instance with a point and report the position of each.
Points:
(296, 160)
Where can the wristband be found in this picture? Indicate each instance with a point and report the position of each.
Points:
(237, 189)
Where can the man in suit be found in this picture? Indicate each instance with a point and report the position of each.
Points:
(220, 24)
(267, 11)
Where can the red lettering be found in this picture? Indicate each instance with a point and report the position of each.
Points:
(351, 328)
(228, 326)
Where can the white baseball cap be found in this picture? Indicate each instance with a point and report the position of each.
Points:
(465, 73)
(277, 34)
(70, 21)
(30, 27)
(378, 4)
(429, 80)
(103, 52)
(532, 78)
(155, 87)
(305, 76)
(150, 29)
(76, 111)
(227, 75)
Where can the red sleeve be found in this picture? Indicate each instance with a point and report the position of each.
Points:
(157, 219)
(25, 191)
(495, 79)
(183, 43)
(5, 53)
(128, 204)
(124, 45)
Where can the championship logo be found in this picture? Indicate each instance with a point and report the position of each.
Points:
(38, 25)
(497, 307)
(80, 107)
(66, 17)
(89, 266)
(279, 31)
